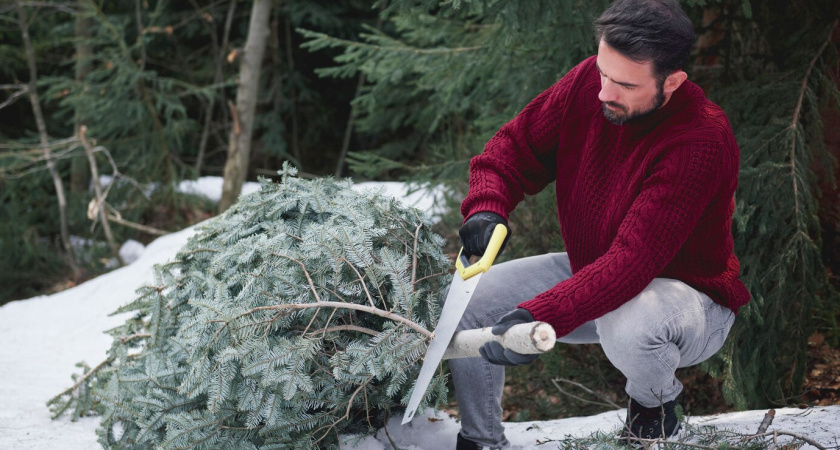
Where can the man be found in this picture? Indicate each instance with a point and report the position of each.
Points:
(645, 169)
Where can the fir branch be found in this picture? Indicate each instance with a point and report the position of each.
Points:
(346, 415)
(126, 339)
(305, 272)
(345, 328)
(791, 434)
(329, 319)
(81, 381)
(434, 275)
(361, 281)
(335, 42)
(795, 120)
(650, 443)
(314, 316)
(414, 254)
(217, 423)
(341, 305)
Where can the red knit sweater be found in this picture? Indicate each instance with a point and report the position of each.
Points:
(651, 198)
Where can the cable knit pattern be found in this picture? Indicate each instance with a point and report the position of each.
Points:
(652, 198)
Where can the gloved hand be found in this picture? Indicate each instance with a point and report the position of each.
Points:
(476, 232)
(494, 353)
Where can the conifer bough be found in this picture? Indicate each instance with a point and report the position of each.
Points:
(299, 314)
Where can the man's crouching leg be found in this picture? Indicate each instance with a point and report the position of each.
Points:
(668, 326)
(479, 384)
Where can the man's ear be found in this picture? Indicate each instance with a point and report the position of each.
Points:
(674, 81)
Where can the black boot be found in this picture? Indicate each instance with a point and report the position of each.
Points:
(466, 444)
(649, 423)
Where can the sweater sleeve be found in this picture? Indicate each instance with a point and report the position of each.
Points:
(672, 199)
(520, 159)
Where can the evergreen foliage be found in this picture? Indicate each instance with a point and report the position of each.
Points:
(154, 91)
(691, 437)
(444, 76)
(774, 99)
(298, 314)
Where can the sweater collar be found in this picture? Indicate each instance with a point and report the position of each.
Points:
(677, 102)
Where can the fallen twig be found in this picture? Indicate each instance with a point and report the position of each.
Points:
(586, 389)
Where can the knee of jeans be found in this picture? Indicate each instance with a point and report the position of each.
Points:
(628, 344)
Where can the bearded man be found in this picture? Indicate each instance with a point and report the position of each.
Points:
(645, 168)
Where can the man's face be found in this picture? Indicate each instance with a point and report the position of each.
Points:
(629, 89)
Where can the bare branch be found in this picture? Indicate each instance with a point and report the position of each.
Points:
(76, 385)
(305, 272)
(116, 217)
(346, 328)
(341, 305)
(21, 90)
(52, 145)
(63, 7)
(606, 402)
(788, 433)
(347, 412)
(99, 201)
(414, 255)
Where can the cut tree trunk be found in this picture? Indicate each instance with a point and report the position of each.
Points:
(525, 338)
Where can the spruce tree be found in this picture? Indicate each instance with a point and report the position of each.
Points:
(300, 313)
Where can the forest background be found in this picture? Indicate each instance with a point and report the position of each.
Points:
(149, 93)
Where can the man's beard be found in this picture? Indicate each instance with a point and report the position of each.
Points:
(623, 116)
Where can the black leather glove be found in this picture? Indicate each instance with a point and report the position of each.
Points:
(494, 353)
(476, 232)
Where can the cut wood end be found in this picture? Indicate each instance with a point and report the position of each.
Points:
(543, 336)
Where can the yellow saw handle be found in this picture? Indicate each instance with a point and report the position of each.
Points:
(467, 270)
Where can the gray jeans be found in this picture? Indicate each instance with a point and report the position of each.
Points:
(668, 325)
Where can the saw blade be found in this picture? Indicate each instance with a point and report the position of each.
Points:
(457, 300)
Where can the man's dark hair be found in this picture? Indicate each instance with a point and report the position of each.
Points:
(648, 30)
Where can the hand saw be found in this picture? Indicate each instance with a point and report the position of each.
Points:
(463, 285)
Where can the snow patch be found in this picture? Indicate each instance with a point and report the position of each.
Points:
(131, 251)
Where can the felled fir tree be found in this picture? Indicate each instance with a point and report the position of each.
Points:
(299, 314)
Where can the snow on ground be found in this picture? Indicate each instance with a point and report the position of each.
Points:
(42, 338)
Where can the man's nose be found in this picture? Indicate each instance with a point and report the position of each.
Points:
(608, 92)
